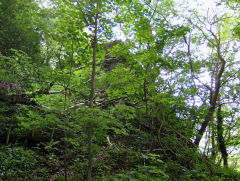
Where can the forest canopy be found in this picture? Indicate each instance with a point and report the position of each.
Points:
(119, 90)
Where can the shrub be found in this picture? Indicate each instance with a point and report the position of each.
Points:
(16, 162)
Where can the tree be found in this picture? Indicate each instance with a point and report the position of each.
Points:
(218, 68)
(18, 30)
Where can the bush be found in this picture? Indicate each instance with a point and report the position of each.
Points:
(16, 163)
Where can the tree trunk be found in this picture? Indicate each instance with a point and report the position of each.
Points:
(213, 141)
(204, 124)
(8, 135)
(90, 155)
(91, 97)
(33, 133)
(221, 143)
(52, 134)
(211, 110)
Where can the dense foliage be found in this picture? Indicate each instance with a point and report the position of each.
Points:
(119, 90)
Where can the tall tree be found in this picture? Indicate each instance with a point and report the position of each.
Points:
(217, 66)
